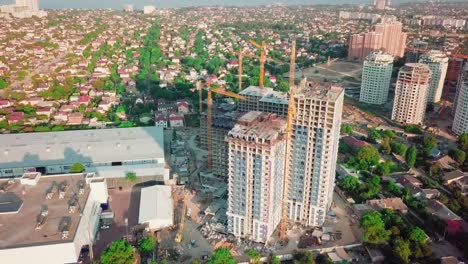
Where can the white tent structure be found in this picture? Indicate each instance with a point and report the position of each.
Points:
(156, 209)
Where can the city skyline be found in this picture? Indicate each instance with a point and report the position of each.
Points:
(139, 4)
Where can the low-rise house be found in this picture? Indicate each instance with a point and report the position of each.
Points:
(445, 162)
(454, 223)
(4, 104)
(47, 111)
(61, 116)
(450, 260)
(354, 142)
(458, 178)
(75, 118)
(183, 107)
(84, 99)
(160, 119)
(405, 179)
(15, 117)
(430, 193)
(396, 204)
(176, 120)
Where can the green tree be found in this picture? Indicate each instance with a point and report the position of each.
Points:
(374, 228)
(131, 176)
(459, 156)
(346, 129)
(411, 156)
(222, 256)
(303, 257)
(429, 143)
(399, 148)
(254, 256)
(146, 245)
(463, 142)
(373, 135)
(386, 145)
(389, 133)
(3, 83)
(413, 129)
(351, 184)
(77, 168)
(119, 252)
(401, 249)
(274, 259)
(417, 235)
(368, 154)
(384, 168)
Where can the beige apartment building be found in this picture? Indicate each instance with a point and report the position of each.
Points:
(411, 92)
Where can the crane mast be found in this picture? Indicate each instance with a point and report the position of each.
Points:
(289, 130)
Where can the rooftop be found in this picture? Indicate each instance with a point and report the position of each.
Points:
(320, 91)
(256, 125)
(19, 229)
(68, 147)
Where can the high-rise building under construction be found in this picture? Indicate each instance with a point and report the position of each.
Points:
(314, 146)
(256, 167)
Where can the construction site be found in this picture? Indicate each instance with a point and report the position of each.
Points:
(243, 174)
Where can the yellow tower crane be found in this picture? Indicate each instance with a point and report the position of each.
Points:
(209, 119)
(288, 134)
(178, 237)
(262, 48)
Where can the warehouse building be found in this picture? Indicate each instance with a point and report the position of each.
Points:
(48, 219)
(103, 150)
(156, 210)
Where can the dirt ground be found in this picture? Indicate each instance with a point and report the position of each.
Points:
(125, 204)
(344, 71)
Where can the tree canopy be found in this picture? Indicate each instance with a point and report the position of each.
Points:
(222, 256)
(119, 252)
(146, 245)
(374, 228)
(368, 154)
(411, 156)
(417, 235)
(77, 168)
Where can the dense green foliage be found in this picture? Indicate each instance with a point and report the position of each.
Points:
(411, 156)
(374, 228)
(77, 168)
(222, 256)
(131, 176)
(146, 246)
(119, 252)
(346, 129)
(303, 257)
(399, 148)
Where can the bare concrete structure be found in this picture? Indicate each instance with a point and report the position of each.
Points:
(314, 151)
(256, 160)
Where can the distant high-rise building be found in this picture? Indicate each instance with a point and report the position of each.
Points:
(360, 45)
(376, 77)
(380, 4)
(23, 8)
(417, 48)
(313, 152)
(460, 121)
(411, 92)
(386, 36)
(128, 8)
(33, 5)
(256, 168)
(438, 63)
(394, 40)
(149, 9)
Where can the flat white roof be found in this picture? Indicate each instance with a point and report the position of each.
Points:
(84, 146)
(156, 204)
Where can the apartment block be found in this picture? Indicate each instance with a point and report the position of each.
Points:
(387, 37)
(313, 152)
(264, 100)
(256, 168)
(438, 63)
(460, 121)
(411, 92)
(223, 122)
(376, 77)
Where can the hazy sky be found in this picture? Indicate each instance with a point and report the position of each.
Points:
(118, 4)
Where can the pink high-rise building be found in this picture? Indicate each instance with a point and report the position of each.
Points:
(386, 36)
